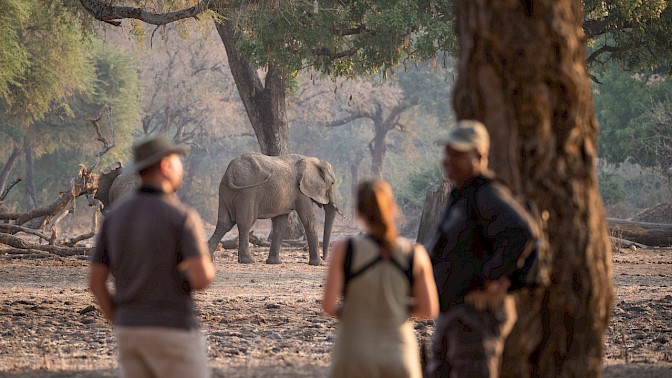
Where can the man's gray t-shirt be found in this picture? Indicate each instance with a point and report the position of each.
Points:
(142, 240)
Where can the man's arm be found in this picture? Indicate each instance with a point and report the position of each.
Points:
(98, 284)
(507, 227)
(199, 271)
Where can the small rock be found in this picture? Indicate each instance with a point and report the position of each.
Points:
(276, 336)
(87, 309)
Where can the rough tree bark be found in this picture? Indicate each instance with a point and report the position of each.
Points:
(264, 101)
(435, 201)
(29, 192)
(522, 72)
(354, 179)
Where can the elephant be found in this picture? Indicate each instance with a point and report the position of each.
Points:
(257, 186)
(113, 184)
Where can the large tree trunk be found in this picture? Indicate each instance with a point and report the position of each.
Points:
(264, 102)
(435, 202)
(378, 149)
(522, 72)
(354, 180)
(30, 194)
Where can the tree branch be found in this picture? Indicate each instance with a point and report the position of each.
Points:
(109, 13)
(21, 244)
(594, 28)
(346, 120)
(323, 51)
(9, 187)
(595, 54)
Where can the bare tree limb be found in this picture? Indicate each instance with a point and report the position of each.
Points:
(107, 145)
(348, 119)
(28, 247)
(9, 187)
(12, 229)
(102, 11)
(604, 49)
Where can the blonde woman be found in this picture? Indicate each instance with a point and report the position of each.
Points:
(383, 280)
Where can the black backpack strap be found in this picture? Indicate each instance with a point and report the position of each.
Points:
(408, 272)
(348, 274)
(347, 265)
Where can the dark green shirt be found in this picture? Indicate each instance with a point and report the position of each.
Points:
(142, 240)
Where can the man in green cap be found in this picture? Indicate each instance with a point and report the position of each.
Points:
(153, 246)
(480, 238)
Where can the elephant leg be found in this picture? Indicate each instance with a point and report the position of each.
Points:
(244, 256)
(278, 233)
(307, 216)
(223, 226)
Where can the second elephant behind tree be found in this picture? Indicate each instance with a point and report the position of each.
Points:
(257, 186)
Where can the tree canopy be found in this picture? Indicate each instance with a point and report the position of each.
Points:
(636, 34)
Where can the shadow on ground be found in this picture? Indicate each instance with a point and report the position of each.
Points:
(640, 370)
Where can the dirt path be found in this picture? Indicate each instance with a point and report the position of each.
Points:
(264, 320)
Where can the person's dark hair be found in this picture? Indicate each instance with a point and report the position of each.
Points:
(375, 205)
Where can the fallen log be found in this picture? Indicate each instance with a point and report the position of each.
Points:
(20, 244)
(622, 243)
(650, 234)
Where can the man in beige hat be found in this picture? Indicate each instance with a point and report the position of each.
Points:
(153, 246)
(479, 240)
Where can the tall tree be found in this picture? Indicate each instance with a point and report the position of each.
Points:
(522, 72)
(267, 41)
(55, 71)
(69, 77)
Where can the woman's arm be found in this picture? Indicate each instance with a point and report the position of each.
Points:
(333, 285)
(424, 288)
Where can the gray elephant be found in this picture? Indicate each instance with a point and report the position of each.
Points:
(113, 184)
(256, 186)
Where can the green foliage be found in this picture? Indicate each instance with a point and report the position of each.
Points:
(343, 38)
(411, 190)
(13, 58)
(63, 136)
(629, 109)
(58, 53)
(638, 33)
(611, 187)
(628, 188)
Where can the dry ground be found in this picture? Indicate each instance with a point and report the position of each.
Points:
(264, 320)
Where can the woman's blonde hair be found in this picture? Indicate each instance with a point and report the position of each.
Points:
(376, 206)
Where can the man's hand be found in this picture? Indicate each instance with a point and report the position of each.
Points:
(491, 297)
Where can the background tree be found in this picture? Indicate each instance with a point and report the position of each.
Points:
(522, 72)
(636, 34)
(281, 38)
(55, 72)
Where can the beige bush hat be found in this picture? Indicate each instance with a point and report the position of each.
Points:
(468, 135)
(151, 149)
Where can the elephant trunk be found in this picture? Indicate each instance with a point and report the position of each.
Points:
(329, 215)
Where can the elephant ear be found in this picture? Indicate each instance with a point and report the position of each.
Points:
(316, 179)
(249, 170)
(105, 183)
